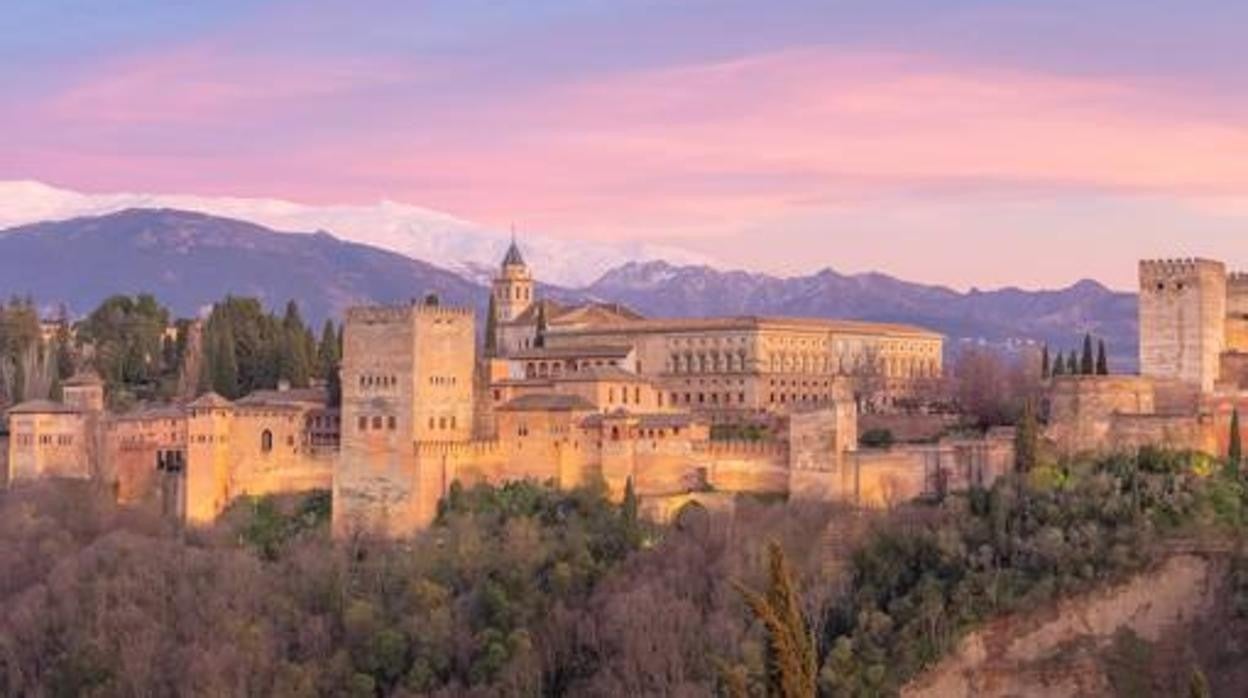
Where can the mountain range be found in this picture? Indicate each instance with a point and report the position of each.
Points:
(467, 248)
(191, 259)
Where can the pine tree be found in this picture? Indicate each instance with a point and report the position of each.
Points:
(1045, 368)
(1102, 364)
(491, 329)
(1072, 364)
(792, 666)
(1026, 440)
(1235, 447)
(1087, 364)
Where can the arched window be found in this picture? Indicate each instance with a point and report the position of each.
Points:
(266, 441)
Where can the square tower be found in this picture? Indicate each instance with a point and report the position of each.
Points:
(407, 378)
(1183, 304)
(1237, 313)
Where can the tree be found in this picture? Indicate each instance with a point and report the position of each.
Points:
(1059, 366)
(1072, 364)
(1235, 448)
(1087, 364)
(1026, 440)
(1045, 369)
(491, 329)
(127, 336)
(791, 662)
(1102, 364)
(327, 353)
(629, 514)
(540, 339)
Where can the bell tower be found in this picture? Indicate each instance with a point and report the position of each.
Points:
(513, 287)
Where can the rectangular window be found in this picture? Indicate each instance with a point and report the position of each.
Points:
(363, 424)
(391, 423)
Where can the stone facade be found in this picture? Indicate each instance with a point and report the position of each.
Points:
(191, 460)
(1183, 313)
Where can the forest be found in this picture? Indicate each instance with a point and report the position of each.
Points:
(524, 590)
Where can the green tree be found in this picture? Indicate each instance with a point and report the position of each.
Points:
(127, 337)
(1235, 447)
(1102, 363)
(1045, 368)
(1072, 364)
(491, 328)
(791, 661)
(629, 514)
(1026, 440)
(327, 353)
(1059, 366)
(1087, 364)
(539, 340)
(294, 352)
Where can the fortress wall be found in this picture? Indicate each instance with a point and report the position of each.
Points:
(1131, 432)
(759, 476)
(1081, 408)
(885, 478)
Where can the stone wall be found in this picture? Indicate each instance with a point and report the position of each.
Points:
(1048, 653)
(908, 427)
(1082, 409)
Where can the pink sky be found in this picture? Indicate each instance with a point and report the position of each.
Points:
(787, 158)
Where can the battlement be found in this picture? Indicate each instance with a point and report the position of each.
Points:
(742, 448)
(384, 314)
(1155, 270)
(485, 447)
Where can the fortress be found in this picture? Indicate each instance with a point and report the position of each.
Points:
(1193, 368)
(695, 410)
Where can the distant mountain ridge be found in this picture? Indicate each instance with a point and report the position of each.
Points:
(1058, 317)
(191, 259)
(464, 247)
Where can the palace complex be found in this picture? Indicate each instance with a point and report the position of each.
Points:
(689, 410)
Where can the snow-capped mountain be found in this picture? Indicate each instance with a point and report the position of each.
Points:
(470, 249)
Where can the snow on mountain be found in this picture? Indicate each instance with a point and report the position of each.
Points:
(465, 247)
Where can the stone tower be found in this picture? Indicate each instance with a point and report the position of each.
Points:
(513, 287)
(407, 379)
(1237, 312)
(1183, 308)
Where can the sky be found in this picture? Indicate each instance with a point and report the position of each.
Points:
(961, 142)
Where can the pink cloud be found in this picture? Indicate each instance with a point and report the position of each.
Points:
(692, 150)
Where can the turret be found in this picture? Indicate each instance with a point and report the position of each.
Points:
(1182, 319)
(513, 287)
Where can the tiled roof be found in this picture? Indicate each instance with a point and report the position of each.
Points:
(750, 322)
(292, 396)
(211, 400)
(43, 407)
(548, 402)
(612, 351)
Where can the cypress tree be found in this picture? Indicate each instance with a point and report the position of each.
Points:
(792, 666)
(223, 364)
(327, 356)
(1045, 369)
(1087, 364)
(1026, 440)
(1102, 364)
(1235, 447)
(540, 339)
(1072, 364)
(491, 328)
(1059, 366)
(629, 514)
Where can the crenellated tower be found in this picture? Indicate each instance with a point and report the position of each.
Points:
(1183, 313)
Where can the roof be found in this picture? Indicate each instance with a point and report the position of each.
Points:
(646, 420)
(548, 402)
(153, 412)
(513, 258)
(752, 322)
(292, 397)
(586, 314)
(43, 407)
(83, 378)
(605, 351)
(211, 400)
(599, 373)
